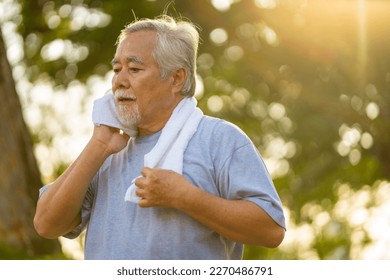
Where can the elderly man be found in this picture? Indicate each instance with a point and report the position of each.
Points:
(201, 201)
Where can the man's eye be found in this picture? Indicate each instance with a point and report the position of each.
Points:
(134, 70)
(116, 70)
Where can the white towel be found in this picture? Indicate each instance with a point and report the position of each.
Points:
(169, 149)
(104, 113)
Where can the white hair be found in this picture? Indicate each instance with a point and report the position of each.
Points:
(176, 47)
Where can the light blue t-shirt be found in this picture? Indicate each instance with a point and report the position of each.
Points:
(219, 159)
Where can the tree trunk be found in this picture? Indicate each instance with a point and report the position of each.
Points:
(19, 176)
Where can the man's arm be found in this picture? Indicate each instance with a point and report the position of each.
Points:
(58, 209)
(239, 220)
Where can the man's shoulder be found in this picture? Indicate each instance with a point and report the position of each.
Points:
(209, 122)
(219, 132)
(214, 125)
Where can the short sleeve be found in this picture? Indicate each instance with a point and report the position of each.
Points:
(85, 214)
(243, 175)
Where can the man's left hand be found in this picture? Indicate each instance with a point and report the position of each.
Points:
(160, 187)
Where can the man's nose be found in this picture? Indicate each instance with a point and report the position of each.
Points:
(120, 80)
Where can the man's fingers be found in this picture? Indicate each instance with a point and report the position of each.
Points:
(139, 182)
(139, 192)
(145, 171)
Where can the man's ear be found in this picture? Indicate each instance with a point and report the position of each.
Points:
(179, 77)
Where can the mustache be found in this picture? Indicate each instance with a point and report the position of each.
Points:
(121, 95)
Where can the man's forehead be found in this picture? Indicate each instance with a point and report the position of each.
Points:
(136, 47)
(139, 38)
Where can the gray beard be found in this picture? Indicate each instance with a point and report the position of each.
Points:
(129, 116)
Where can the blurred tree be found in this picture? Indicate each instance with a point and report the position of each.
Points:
(19, 177)
(308, 81)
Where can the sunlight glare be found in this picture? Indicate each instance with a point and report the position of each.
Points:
(45, 159)
(321, 219)
(215, 103)
(52, 20)
(366, 140)
(286, 125)
(258, 109)
(42, 93)
(372, 110)
(65, 10)
(270, 36)
(367, 208)
(266, 4)
(378, 224)
(362, 37)
(219, 36)
(205, 61)
(58, 48)
(234, 53)
(276, 111)
(199, 89)
(359, 217)
(352, 139)
(91, 18)
(14, 42)
(240, 97)
(54, 50)
(276, 151)
(354, 156)
(356, 103)
(222, 5)
(267, 34)
(8, 9)
(300, 240)
(72, 248)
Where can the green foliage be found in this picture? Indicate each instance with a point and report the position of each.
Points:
(10, 253)
(306, 80)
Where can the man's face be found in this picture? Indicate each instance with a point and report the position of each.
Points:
(142, 97)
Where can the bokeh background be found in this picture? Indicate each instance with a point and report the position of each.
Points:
(307, 80)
